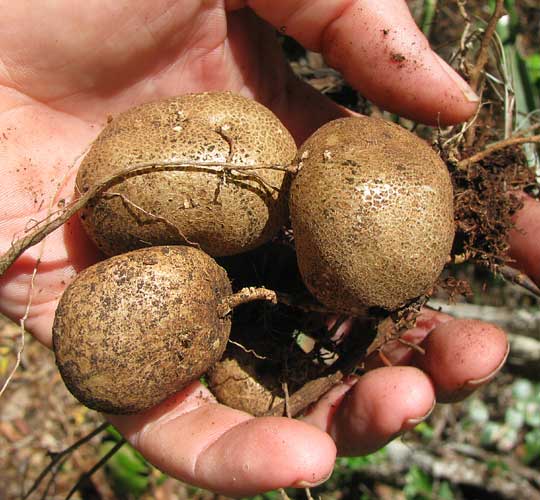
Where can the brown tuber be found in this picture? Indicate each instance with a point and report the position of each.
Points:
(213, 172)
(244, 382)
(251, 373)
(372, 214)
(134, 329)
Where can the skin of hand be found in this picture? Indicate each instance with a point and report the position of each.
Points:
(64, 69)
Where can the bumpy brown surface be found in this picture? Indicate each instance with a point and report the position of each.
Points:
(224, 215)
(372, 214)
(137, 327)
(250, 374)
(241, 382)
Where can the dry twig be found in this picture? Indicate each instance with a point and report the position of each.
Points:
(57, 457)
(87, 475)
(512, 141)
(467, 466)
(478, 70)
(519, 278)
(483, 53)
(243, 296)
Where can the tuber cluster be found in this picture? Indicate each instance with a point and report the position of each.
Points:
(207, 175)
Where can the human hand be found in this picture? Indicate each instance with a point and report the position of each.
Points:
(65, 69)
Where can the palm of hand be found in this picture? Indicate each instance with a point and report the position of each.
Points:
(64, 87)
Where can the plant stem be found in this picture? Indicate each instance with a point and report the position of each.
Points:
(45, 228)
(56, 457)
(519, 278)
(430, 7)
(87, 475)
(477, 71)
(483, 53)
(512, 141)
(245, 295)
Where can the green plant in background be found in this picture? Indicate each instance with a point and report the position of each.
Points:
(421, 486)
(520, 427)
(521, 74)
(428, 14)
(129, 473)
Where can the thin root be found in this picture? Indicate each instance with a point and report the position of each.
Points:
(46, 227)
(245, 295)
(519, 278)
(512, 141)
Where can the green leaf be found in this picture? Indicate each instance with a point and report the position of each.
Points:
(508, 440)
(532, 446)
(162, 477)
(491, 434)
(356, 463)
(478, 411)
(514, 418)
(428, 14)
(495, 464)
(533, 66)
(129, 473)
(418, 484)
(425, 430)
(532, 414)
(522, 389)
(111, 431)
(508, 25)
(271, 495)
(445, 491)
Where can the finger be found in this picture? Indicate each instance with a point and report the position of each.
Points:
(267, 77)
(525, 240)
(362, 415)
(460, 356)
(192, 438)
(380, 50)
(306, 109)
(399, 353)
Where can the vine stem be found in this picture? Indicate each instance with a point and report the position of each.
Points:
(245, 295)
(483, 53)
(512, 141)
(251, 294)
(519, 278)
(47, 226)
(57, 457)
(88, 474)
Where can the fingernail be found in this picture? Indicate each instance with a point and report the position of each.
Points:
(475, 383)
(462, 85)
(311, 484)
(412, 422)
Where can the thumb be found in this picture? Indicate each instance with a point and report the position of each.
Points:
(379, 50)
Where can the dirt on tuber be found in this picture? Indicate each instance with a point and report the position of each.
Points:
(135, 328)
(213, 173)
(372, 215)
